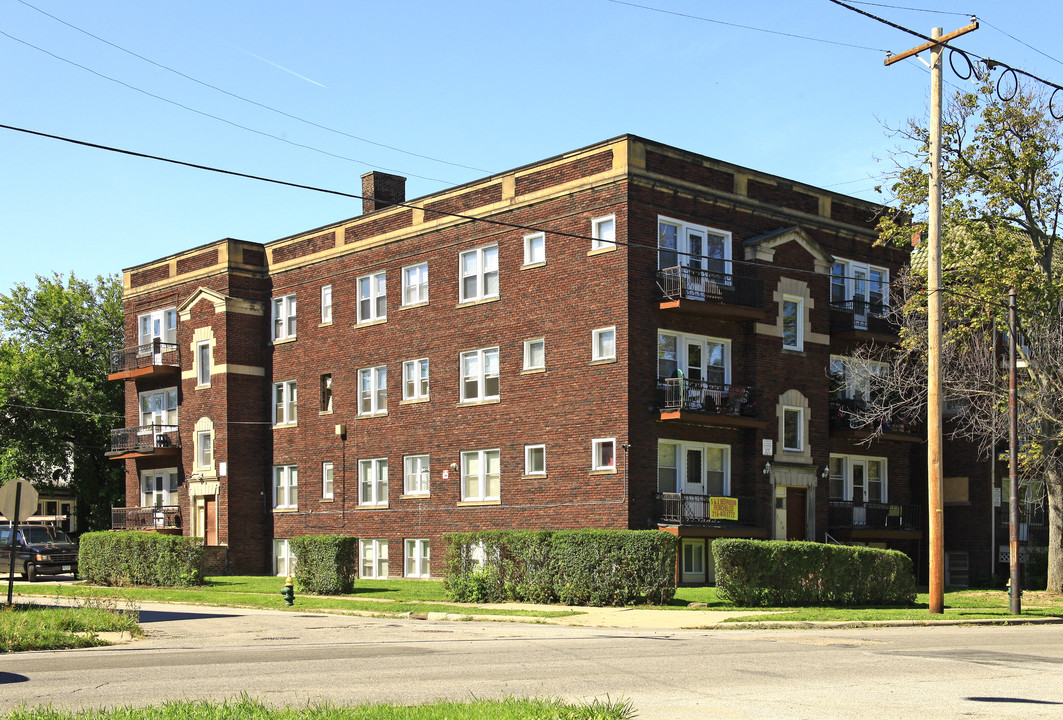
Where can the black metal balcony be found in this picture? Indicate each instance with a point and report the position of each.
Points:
(845, 421)
(711, 510)
(847, 514)
(167, 517)
(154, 358)
(869, 319)
(712, 294)
(144, 440)
(707, 403)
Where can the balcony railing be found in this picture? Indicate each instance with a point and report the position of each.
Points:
(143, 359)
(687, 509)
(861, 315)
(166, 517)
(145, 438)
(679, 283)
(845, 412)
(874, 515)
(709, 398)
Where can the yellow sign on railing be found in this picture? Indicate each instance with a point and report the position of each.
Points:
(723, 508)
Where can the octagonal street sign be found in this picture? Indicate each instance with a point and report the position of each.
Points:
(27, 502)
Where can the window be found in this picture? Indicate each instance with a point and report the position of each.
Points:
(865, 287)
(792, 429)
(793, 331)
(158, 409)
(534, 248)
(416, 558)
(534, 459)
(284, 403)
(203, 363)
(852, 379)
(699, 359)
(284, 317)
(699, 252)
(373, 482)
(326, 304)
(603, 344)
(415, 379)
(479, 375)
(694, 468)
(858, 478)
(204, 449)
(480, 475)
(327, 484)
(373, 390)
(285, 486)
(326, 393)
(158, 488)
(374, 555)
(603, 454)
(415, 284)
(283, 559)
(603, 232)
(479, 274)
(535, 354)
(415, 475)
(161, 324)
(372, 299)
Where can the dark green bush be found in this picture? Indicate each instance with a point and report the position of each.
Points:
(578, 567)
(137, 558)
(325, 564)
(762, 573)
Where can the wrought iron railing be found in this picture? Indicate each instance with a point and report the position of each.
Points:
(846, 414)
(687, 509)
(145, 438)
(155, 353)
(874, 515)
(707, 397)
(874, 317)
(679, 282)
(146, 518)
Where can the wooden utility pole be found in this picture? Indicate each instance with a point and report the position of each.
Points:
(1014, 584)
(935, 495)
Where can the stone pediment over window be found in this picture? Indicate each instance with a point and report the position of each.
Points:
(222, 303)
(763, 247)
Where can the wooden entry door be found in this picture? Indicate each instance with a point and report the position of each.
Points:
(210, 520)
(796, 499)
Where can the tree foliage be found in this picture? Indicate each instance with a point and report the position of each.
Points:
(57, 407)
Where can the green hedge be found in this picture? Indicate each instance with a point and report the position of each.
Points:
(139, 558)
(575, 567)
(325, 564)
(754, 573)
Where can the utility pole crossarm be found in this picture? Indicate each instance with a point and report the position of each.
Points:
(927, 45)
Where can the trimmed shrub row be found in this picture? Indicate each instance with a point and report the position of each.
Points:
(574, 567)
(752, 573)
(137, 558)
(327, 564)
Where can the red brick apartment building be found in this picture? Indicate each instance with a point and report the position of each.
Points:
(624, 336)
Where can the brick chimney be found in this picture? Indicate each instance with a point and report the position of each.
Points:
(381, 189)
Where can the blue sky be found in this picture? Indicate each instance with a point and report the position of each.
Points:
(440, 92)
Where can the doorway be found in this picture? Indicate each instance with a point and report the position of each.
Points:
(796, 504)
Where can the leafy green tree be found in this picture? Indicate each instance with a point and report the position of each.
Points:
(57, 407)
(1001, 193)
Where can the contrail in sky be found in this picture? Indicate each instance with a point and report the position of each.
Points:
(281, 67)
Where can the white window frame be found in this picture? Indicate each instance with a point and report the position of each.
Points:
(283, 317)
(285, 403)
(326, 304)
(168, 409)
(415, 284)
(685, 248)
(373, 558)
(534, 248)
(373, 396)
(530, 363)
(203, 363)
(372, 297)
(416, 559)
(285, 487)
(599, 350)
(483, 491)
(849, 268)
(416, 475)
(480, 375)
(327, 398)
(856, 376)
(415, 377)
(159, 323)
(788, 410)
(484, 268)
(373, 482)
(328, 481)
(204, 449)
(682, 341)
(799, 321)
(530, 452)
(843, 473)
(682, 449)
(603, 232)
(283, 558)
(598, 446)
(167, 492)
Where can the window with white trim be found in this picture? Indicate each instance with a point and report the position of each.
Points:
(603, 454)
(203, 363)
(480, 475)
(698, 358)
(327, 481)
(534, 248)
(479, 375)
(793, 322)
(283, 317)
(326, 304)
(693, 468)
(158, 408)
(852, 378)
(603, 232)
(283, 558)
(284, 403)
(372, 298)
(859, 283)
(603, 344)
(701, 253)
(793, 429)
(415, 284)
(417, 556)
(415, 475)
(479, 274)
(535, 459)
(373, 482)
(858, 478)
(326, 393)
(373, 390)
(285, 486)
(535, 354)
(158, 488)
(415, 379)
(204, 449)
(161, 324)
(374, 558)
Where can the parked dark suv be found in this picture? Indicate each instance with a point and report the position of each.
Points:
(39, 550)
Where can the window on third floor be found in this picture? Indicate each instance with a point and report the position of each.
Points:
(479, 274)
(283, 317)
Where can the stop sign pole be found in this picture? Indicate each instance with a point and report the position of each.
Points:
(18, 500)
(14, 532)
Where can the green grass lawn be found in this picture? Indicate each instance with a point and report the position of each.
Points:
(29, 627)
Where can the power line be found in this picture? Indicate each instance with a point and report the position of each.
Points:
(60, 410)
(248, 100)
(1022, 42)
(900, 7)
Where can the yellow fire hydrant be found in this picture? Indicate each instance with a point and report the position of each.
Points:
(288, 593)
